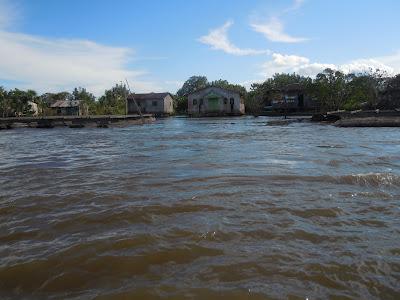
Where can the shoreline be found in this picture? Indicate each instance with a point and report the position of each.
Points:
(75, 121)
(382, 121)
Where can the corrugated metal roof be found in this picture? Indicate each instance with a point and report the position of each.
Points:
(214, 87)
(65, 103)
(149, 96)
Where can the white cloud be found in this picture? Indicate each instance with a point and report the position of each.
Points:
(273, 30)
(283, 63)
(51, 65)
(46, 64)
(364, 65)
(218, 40)
(392, 60)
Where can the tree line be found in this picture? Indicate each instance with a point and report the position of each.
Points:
(331, 89)
(335, 90)
(19, 103)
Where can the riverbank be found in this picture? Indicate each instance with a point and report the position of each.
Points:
(370, 118)
(75, 121)
(369, 122)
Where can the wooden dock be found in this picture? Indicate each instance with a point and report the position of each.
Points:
(74, 121)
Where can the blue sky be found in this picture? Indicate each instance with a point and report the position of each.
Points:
(156, 44)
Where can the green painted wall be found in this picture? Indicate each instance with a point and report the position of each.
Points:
(213, 104)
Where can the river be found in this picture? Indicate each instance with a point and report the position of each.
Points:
(212, 208)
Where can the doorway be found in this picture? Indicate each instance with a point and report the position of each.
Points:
(301, 101)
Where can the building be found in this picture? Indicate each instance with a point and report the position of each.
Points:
(215, 101)
(68, 108)
(34, 108)
(160, 104)
(292, 98)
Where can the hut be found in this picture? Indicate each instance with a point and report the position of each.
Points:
(160, 104)
(292, 98)
(68, 108)
(215, 101)
(33, 108)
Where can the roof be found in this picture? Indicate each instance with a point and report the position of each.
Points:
(293, 87)
(214, 87)
(149, 96)
(65, 103)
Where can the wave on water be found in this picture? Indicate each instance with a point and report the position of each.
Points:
(362, 179)
(371, 179)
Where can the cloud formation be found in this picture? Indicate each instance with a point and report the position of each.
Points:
(283, 63)
(274, 31)
(49, 64)
(218, 40)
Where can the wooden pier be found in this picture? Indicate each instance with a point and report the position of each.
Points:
(75, 121)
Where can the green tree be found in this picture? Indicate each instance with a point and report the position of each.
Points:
(360, 92)
(50, 98)
(330, 88)
(261, 94)
(193, 84)
(221, 83)
(87, 99)
(3, 104)
(19, 101)
(113, 102)
(389, 97)
(180, 104)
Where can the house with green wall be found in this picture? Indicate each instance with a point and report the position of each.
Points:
(215, 101)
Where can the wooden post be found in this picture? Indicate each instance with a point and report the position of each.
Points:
(126, 103)
(134, 101)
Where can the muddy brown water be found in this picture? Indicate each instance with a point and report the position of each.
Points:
(223, 208)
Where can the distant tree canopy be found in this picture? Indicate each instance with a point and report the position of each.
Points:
(16, 102)
(390, 97)
(113, 102)
(336, 90)
(332, 89)
(191, 85)
(262, 93)
(87, 98)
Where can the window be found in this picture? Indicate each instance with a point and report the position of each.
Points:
(232, 101)
(201, 101)
(194, 101)
(225, 101)
(154, 103)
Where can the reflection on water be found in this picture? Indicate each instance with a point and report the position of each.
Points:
(200, 208)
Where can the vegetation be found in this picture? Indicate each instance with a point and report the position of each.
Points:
(262, 93)
(113, 102)
(332, 89)
(16, 102)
